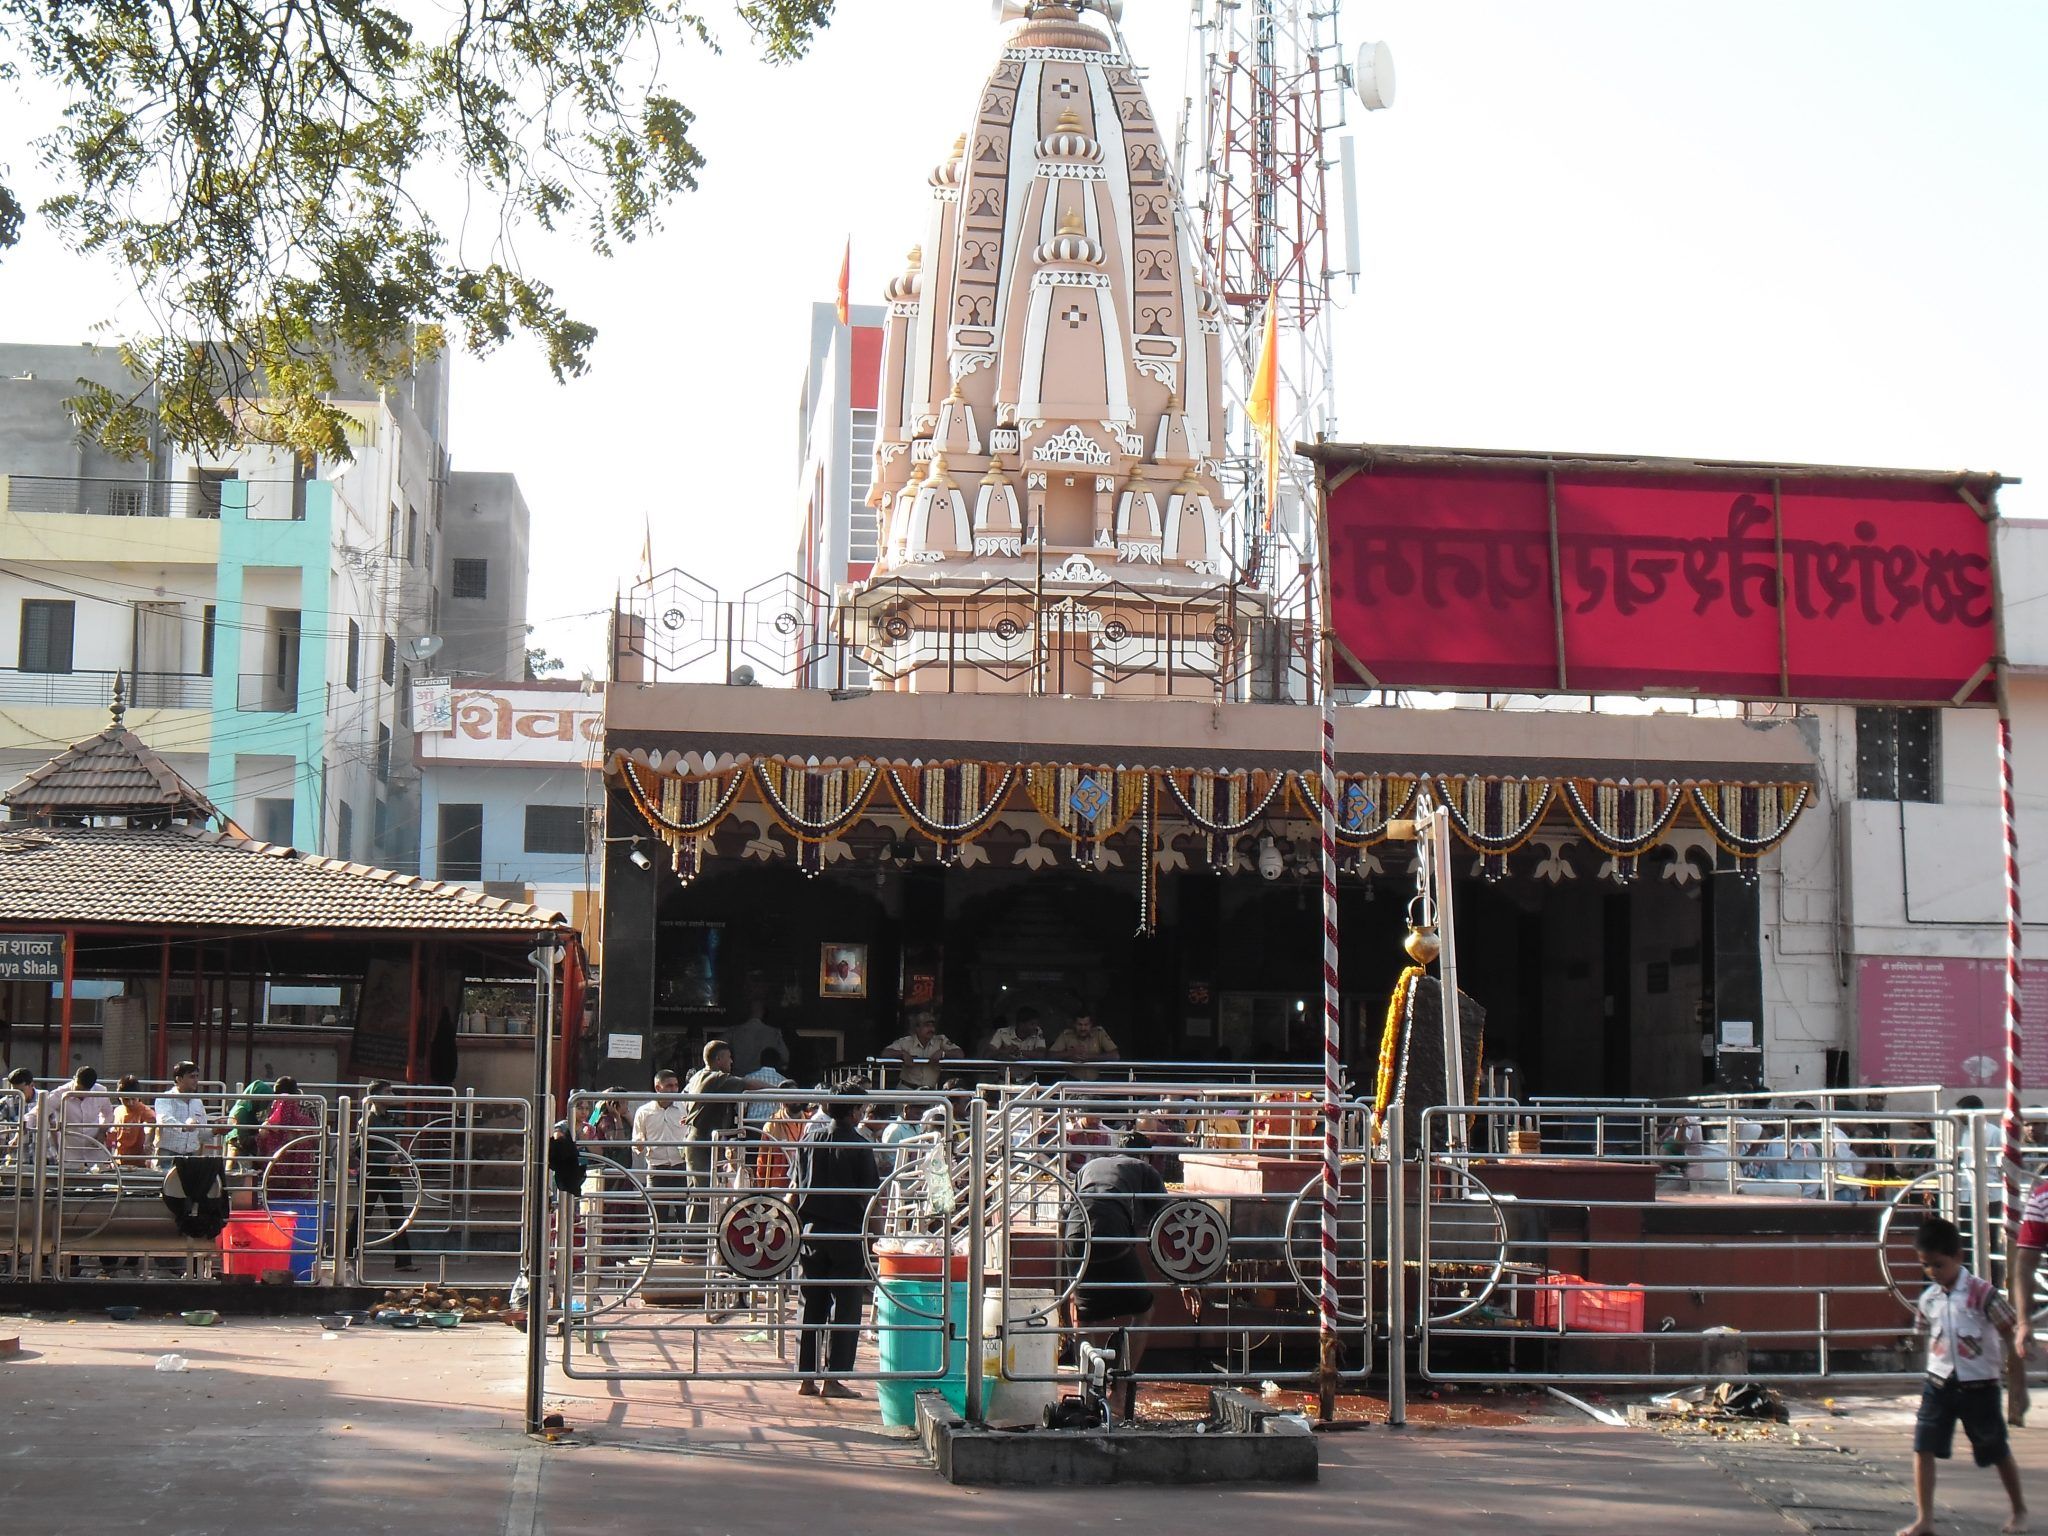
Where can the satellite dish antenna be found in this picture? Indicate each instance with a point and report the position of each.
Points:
(420, 648)
(1376, 76)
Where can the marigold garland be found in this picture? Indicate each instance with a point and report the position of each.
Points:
(1390, 1043)
(1223, 806)
(1055, 790)
(815, 805)
(1623, 820)
(952, 803)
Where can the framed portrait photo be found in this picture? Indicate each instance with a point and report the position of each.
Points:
(842, 970)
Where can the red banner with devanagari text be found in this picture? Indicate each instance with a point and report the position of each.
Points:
(1449, 572)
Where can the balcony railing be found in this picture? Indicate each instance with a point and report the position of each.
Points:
(55, 495)
(266, 693)
(93, 688)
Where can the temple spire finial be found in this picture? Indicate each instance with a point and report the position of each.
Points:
(119, 708)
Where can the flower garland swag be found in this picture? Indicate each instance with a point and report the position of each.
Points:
(1090, 805)
(952, 803)
(1367, 803)
(684, 813)
(815, 805)
(1748, 820)
(1390, 1045)
(1496, 816)
(1624, 821)
(1223, 807)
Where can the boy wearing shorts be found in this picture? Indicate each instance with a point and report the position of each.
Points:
(1969, 1330)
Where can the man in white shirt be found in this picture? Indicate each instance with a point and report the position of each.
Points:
(921, 1051)
(71, 1121)
(1023, 1040)
(660, 1137)
(181, 1128)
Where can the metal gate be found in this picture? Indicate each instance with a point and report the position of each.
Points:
(1208, 1274)
(708, 1257)
(433, 1188)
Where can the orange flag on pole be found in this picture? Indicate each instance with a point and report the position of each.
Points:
(1262, 405)
(845, 279)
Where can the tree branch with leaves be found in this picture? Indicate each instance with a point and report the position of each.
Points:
(269, 173)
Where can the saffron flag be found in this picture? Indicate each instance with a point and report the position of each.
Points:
(1262, 405)
(647, 550)
(845, 279)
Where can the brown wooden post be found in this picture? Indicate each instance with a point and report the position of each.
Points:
(249, 1033)
(160, 1061)
(70, 962)
(412, 1020)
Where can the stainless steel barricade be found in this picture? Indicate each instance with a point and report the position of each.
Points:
(94, 1187)
(1748, 1242)
(711, 1236)
(1207, 1269)
(433, 1189)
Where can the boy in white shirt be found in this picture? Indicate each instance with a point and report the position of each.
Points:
(1969, 1330)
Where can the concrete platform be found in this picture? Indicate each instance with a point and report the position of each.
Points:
(1240, 1442)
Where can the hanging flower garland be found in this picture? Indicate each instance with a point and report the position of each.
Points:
(1088, 804)
(815, 805)
(952, 803)
(1748, 820)
(1367, 803)
(1390, 1043)
(1223, 807)
(1148, 872)
(1624, 821)
(688, 813)
(1496, 816)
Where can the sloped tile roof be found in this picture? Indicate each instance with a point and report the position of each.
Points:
(111, 774)
(190, 877)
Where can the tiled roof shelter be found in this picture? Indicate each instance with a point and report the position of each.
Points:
(107, 847)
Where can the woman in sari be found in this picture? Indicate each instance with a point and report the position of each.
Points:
(289, 1143)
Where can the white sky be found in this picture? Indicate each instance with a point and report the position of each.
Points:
(1745, 230)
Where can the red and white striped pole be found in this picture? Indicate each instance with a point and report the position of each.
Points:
(2009, 825)
(1332, 1049)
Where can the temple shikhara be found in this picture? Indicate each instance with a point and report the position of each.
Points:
(1051, 402)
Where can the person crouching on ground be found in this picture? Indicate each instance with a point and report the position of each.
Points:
(1969, 1335)
(1116, 1197)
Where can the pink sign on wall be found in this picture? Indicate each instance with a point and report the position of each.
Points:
(1935, 1020)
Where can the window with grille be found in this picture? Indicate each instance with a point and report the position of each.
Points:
(210, 492)
(46, 628)
(412, 534)
(352, 664)
(206, 628)
(862, 531)
(390, 668)
(462, 842)
(556, 828)
(383, 754)
(1898, 754)
(469, 579)
(345, 831)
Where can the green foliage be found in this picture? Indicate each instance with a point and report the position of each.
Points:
(279, 178)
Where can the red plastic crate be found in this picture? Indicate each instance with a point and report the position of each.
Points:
(1599, 1309)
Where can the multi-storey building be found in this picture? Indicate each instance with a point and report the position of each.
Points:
(264, 616)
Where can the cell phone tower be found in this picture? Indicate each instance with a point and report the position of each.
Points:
(1267, 167)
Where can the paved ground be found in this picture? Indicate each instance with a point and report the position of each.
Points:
(275, 1429)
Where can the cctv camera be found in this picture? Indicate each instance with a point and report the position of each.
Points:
(640, 860)
(1271, 865)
